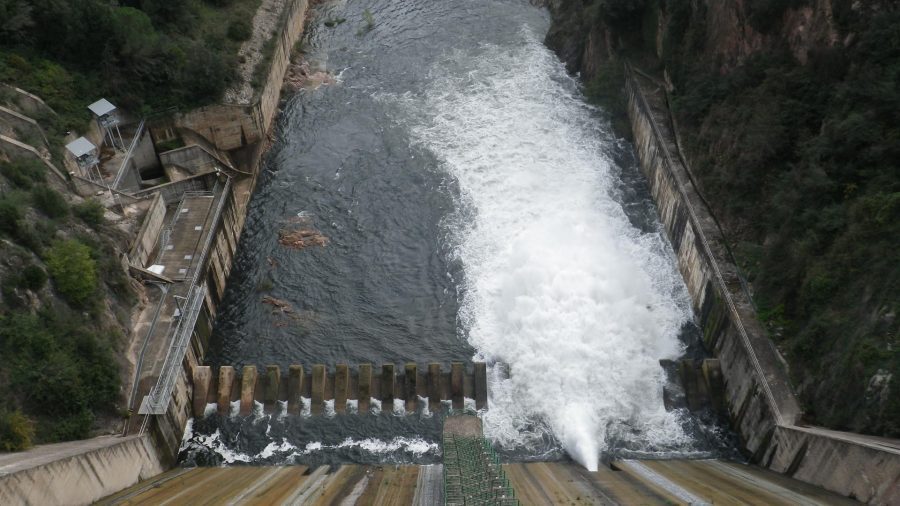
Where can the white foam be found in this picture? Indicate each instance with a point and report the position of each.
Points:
(286, 451)
(558, 284)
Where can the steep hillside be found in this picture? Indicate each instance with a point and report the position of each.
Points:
(66, 300)
(790, 115)
(64, 311)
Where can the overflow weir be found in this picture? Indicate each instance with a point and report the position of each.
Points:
(268, 387)
(793, 463)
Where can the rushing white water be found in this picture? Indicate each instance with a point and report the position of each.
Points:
(559, 285)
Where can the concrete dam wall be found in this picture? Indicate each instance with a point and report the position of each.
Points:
(75, 473)
(762, 406)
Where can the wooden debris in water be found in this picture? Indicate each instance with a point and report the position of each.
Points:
(300, 76)
(279, 305)
(302, 238)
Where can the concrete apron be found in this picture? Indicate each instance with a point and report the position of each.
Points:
(624, 482)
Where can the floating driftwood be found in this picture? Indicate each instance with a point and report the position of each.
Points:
(302, 238)
(280, 306)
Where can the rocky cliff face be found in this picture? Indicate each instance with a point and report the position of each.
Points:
(787, 109)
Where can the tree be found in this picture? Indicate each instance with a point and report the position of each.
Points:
(16, 431)
(15, 19)
(73, 270)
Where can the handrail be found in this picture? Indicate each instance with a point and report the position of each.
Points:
(157, 401)
(695, 220)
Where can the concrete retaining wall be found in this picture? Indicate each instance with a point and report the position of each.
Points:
(194, 158)
(233, 126)
(80, 472)
(28, 103)
(755, 381)
(17, 122)
(148, 236)
(227, 128)
(15, 149)
(863, 468)
(759, 398)
(172, 192)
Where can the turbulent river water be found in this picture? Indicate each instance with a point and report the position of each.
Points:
(475, 207)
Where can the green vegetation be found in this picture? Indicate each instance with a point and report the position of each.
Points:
(32, 278)
(16, 432)
(23, 173)
(606, 91)
(240, 30)
(57, 372)
(142, 54)
(73, 270)
(91, 212)
(801, 163)
(49, 201)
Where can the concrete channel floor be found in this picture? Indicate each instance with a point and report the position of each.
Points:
(536, 483)
(346, 484)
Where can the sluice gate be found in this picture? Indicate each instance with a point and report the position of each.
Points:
(269, 386)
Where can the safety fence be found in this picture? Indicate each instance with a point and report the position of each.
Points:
(473, 474)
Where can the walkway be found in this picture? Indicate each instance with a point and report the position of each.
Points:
(190, 222)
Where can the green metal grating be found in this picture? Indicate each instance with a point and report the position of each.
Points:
(473, 474)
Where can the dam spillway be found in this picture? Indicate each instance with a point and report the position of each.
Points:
(474, 206)
(454, 199)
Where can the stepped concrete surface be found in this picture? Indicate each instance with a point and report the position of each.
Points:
(347, 484)
(661, 482)
(623, 482)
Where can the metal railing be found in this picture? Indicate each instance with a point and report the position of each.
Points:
(134, 142)
(157, 401)
(473, 474)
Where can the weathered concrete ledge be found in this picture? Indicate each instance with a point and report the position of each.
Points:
(80, 472)
(763, 408)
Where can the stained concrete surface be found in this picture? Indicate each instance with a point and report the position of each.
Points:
(348, 484)
(540, 483)
(76, 472)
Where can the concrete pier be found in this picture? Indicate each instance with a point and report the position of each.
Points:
(202, 378)
(226, 382)
(248, 389)
(365, 387)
